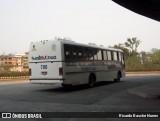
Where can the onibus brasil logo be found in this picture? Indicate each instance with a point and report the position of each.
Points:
(43, 57)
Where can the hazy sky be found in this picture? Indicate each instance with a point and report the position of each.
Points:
(98, 21)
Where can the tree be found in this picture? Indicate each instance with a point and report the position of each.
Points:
(155, 56)
(122, 47)
(133, 44)
(133, 62)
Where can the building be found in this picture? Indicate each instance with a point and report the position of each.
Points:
(15, 62)
(7, 61)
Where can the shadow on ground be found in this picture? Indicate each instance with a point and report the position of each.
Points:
(61, 89)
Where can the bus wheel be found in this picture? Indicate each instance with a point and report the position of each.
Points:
(118, 77)
(92, 80)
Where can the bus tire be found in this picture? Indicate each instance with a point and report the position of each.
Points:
(118, 77)
(92, 80)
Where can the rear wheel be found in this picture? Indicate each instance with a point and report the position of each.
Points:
(92, 80)
(118, 77)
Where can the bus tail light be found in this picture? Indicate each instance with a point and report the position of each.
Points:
(30, 71)
(60, 71)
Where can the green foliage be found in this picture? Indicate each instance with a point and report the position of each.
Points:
(132, 44)
(139, 61)
(133, 63)
(147, 62)
(155, 57)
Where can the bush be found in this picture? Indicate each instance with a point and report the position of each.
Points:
(134, 63)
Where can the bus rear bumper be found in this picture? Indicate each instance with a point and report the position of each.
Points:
(45, 81)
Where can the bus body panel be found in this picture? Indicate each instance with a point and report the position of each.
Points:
(82, 78)
(45, 51)
(80, 75)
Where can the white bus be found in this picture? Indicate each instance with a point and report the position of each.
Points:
(71, 63)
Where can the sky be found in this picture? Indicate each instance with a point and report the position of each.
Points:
(85, 21)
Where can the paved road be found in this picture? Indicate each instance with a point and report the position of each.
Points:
(104, 97)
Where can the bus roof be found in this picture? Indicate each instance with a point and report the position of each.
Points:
(90, 45)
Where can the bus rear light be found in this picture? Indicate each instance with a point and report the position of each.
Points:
(61, 71)
(30, 72)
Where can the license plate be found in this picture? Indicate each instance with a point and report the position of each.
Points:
(44, 73)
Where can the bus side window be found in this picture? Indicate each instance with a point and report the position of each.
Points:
(74, 53)
(67, 51)
(109, 55)
(86, 53)
(95, 54)
(79, 51)
(123, 63)
(120, 57)
(99, 54)
(115, 56)
(91, 54)
(104, 55)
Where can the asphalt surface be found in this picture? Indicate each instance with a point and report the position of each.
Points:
(135, 93)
